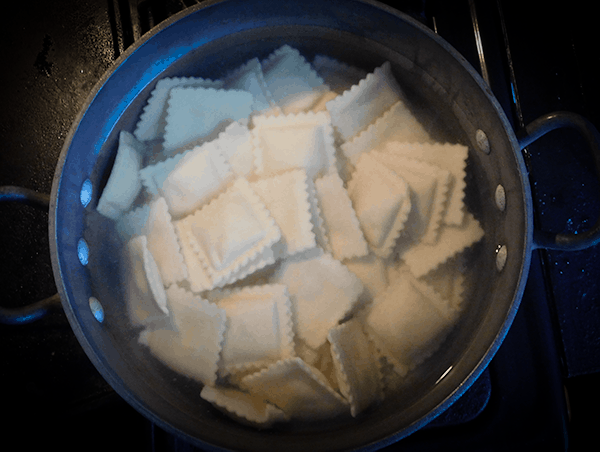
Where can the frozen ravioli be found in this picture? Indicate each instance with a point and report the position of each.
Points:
(198, 177)
(230, 231)
(372, 271)
(398, 124)
(310, 236)
(163, 244)
(152, 121)
(300, 390)
(200, 278)
(358, 107)
(382, 203)
(235, 144)
(193, 113)
(452, 157)
(294, 141)
(344, 235)
(124, 182)
(286, 198)
(243, 407)
(318, 306)
(407, 320)
(154, 176)
(249, 77)
(146, 297)
(356, 366)
(193, 345)
(429, 184)
(259, 327)
(293, 83)
(423, 258)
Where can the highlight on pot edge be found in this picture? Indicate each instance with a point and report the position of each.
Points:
(294, 238)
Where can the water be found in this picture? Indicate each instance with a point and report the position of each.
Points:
(434, 112)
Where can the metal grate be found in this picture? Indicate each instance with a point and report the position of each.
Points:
(130, 19)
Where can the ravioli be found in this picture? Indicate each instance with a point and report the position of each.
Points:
(295, 244)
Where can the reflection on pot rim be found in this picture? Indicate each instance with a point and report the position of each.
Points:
(444, 374)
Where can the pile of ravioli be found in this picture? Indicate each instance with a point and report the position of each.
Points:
(292, 235)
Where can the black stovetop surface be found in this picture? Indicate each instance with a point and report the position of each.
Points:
(54, 52)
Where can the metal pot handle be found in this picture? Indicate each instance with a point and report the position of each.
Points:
(15, 316)
(540, 127)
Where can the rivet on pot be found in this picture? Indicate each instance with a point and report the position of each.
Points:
(500, 198)
(83, 251)
(482, 141)
(85, 196)
(501, 256)
(97, 309)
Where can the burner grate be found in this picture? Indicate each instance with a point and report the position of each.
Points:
(130, 19)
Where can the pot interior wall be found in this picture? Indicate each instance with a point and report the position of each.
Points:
(449, 102)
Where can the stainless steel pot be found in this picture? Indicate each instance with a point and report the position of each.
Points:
(212, 38)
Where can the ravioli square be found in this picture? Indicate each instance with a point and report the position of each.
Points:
(452, 157)
(193, 345)
(243, 407)
(146, 296)
(163, 244)
(243, 232)
(231, 231)
(292, 82)
(287, 142)
(193, 113)
(372, 271)
(342, 227)
(154, 176)
(198, 177)
(152, 120)
(407, 320)
(361, 105)
(287, 199)
(263, 259)
(249, 77)
(423, 258)
(124, 182)
(235, 144)
(356, 366)
(429, 184)
(300, 390)
(381, 199)
(259, 327)
(398, 124)
(322, 291)
(199, 276)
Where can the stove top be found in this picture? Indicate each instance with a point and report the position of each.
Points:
(536, 61)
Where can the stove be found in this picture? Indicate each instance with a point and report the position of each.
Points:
(541, 385)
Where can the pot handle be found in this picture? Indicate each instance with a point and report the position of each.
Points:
(15, 316)
(540, 127)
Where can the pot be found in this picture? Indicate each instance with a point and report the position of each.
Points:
(211, 39)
